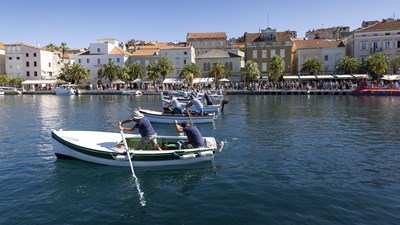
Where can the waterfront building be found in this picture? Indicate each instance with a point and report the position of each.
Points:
(2, 59)
(31, 63)
(232, 62)
(261, 47)
(326, 51)
(103, 51)
(179, 57)
(206, 42)
(337, 32)
(383, 36)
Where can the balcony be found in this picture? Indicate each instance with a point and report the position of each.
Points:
(373, 50)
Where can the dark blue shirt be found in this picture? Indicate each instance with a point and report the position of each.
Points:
(144, 127)
(194, 136)
(208, 99)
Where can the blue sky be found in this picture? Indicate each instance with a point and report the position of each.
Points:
(79, 23)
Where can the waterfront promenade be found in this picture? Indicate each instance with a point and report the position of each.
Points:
(228, 92)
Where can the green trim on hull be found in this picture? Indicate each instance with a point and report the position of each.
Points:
(142, 157)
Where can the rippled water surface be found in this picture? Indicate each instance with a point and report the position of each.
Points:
(287, 160)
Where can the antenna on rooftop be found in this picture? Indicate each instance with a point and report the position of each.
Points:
(394, 15)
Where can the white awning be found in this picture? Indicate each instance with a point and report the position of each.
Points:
(325, 76)
(345, 76)
(27, 82)
(144, 80)
(391, 77)
(308, 77)
(203, 80)
(290, 77)
(172, 81)
(360, 76)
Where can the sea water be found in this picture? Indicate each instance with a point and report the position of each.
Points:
(286, 160)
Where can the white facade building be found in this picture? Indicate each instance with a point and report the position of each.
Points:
(104, 51)
(31, 63)
(179, 56)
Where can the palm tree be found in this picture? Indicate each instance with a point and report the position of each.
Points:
(277, 68)
(164, 66)
(218, 71)
(63, 49)
(378, 64)
(51, 47)
(347, 65)
(395, 63)
(109, 71)
(250, 72)
(153, 72)
(133, 71)
(189, 72)
(312, 66)
(74, 73)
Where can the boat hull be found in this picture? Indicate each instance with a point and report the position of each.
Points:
(161, 117)
(376, 92)
(99, 148)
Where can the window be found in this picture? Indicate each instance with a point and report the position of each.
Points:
(87, 60)
(49, 64)
(10, 58)
(185, 53)
(27, 73)
(109, 59)
(34, 54)
(27, 54)
(35, 73)
(79, 61)
(27, 64)
(387, 44)
(213, 43)
(146, 62)
(363, 46)
(264, 67)
(98, 49)
(35, 64)
(205, 43)
(255, 54)
(226, 65)
(221, 43)
(98, 61)
(138, 62)
(205, 66)
(375, 34)
(387, 34)
(264, 54)
(18, 58)
(398, 44)
(272, 53)
(230, 66)
(326, 68)
(282, 53)
(326, 58)
(118, 60)
(166, 53)
(184, 62)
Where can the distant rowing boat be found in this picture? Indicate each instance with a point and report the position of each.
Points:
(165, 117)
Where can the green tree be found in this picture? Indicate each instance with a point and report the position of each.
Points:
(347, 65)
(218, 71)
(63, 48)
(109, 71)
(134, 71)
(165, 66)
(277, 68)
(74, 73)
(312, 66)
(377, 64)
(153, 72)
(190, 72)
(395, 64)
(51, 47)
(250, 72)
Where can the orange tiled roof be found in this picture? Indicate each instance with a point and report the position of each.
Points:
(21, 43)
(119, 51)
(317, 43)
(145, 52)
(256, 37)
(1, 45)
(210, 35)
(381, 26)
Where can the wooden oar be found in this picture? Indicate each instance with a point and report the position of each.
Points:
(141, 194)
(190, 116)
